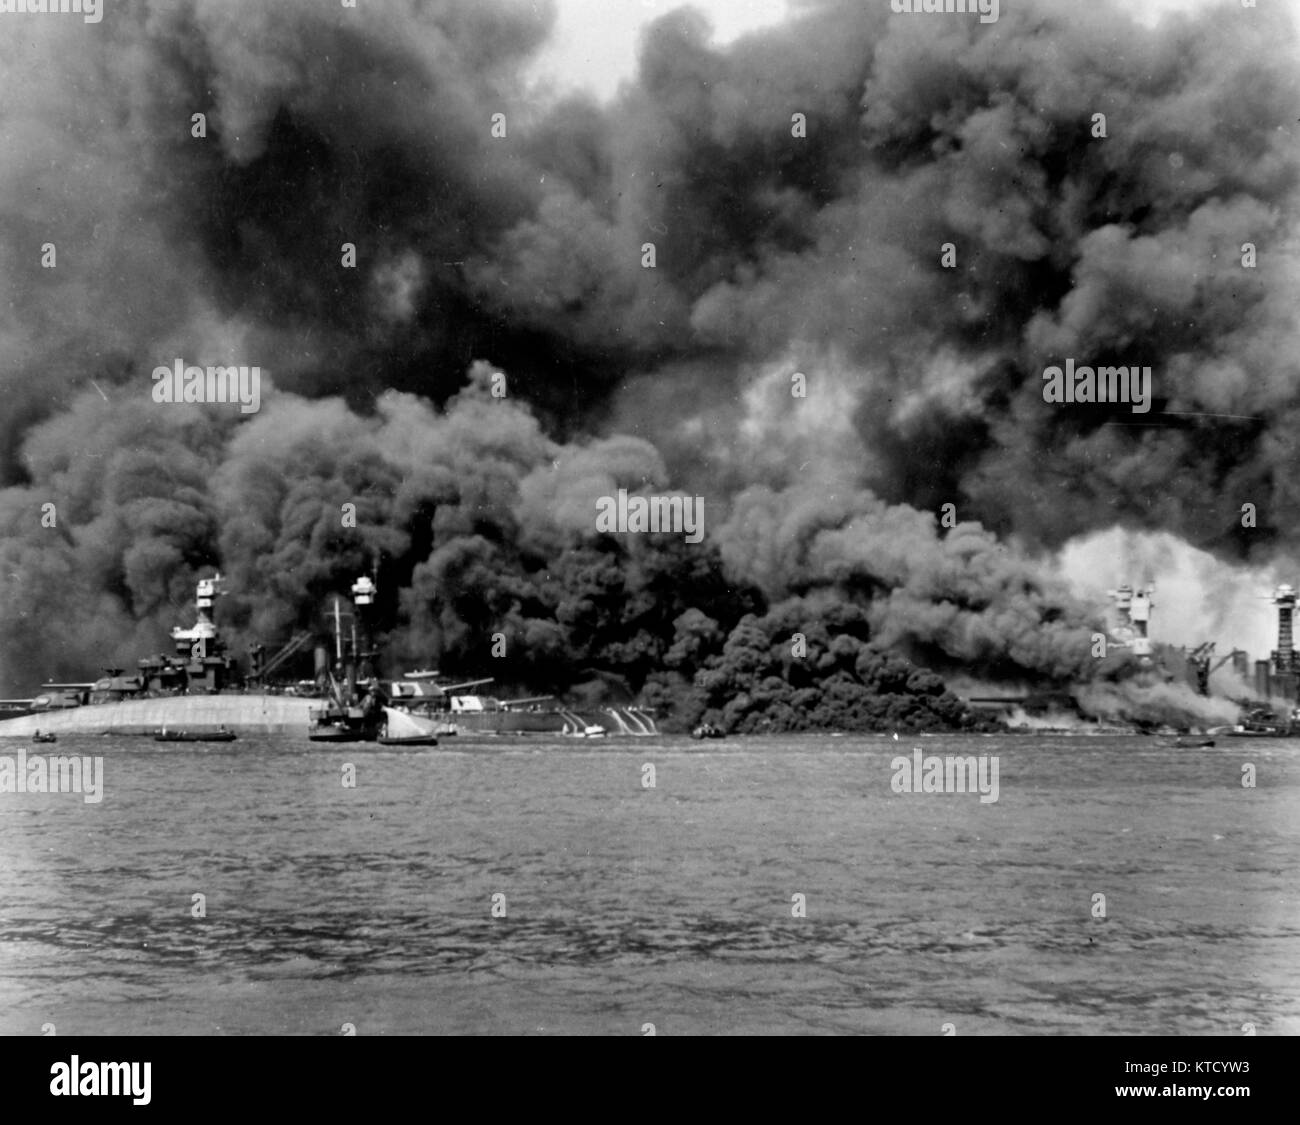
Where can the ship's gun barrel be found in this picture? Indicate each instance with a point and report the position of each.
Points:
(467, 683)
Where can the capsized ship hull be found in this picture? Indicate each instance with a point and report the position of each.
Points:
(286, 714)
(268, 714)
(203, 690)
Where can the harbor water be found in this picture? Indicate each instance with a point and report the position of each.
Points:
(759, 885)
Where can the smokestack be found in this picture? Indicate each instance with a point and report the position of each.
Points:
(1261, 679)
(1241, 665)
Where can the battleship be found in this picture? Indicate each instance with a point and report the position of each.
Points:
(1266, 695)
(423, 692)
(198, 688)
(203, 688)
(1272, 712)
(1125, 651)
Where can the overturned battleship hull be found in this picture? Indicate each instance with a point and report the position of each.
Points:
(252, 713)
(291, 715)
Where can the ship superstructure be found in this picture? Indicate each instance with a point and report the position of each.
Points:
(200, 666)
(1132, 619)
(1276, 681)
(1278, 677)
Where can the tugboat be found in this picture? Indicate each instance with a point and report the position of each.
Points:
(354, 708)
(340, 721)
(1261, 722)
(47, 737)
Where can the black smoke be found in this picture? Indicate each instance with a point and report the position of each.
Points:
(775, 254)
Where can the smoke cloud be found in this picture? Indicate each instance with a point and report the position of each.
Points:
(523, 255)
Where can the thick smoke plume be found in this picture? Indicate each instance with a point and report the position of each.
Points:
(775, 254)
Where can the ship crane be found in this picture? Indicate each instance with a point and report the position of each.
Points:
(295, 644)
(1201, 658)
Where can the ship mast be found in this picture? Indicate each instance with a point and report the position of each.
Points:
(350, 660)
(356, 708)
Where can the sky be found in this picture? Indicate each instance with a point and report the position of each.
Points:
(595, 42)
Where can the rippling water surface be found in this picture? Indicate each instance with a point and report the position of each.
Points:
(669, 905)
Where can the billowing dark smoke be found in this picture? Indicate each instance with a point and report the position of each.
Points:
(775, 254)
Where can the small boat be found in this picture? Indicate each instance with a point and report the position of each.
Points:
(48, 737)
(708, 730)
(580, 729)
(1193, 741)
(222, 735)
(335, 732)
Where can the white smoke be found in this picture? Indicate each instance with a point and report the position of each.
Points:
(1198, 597)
